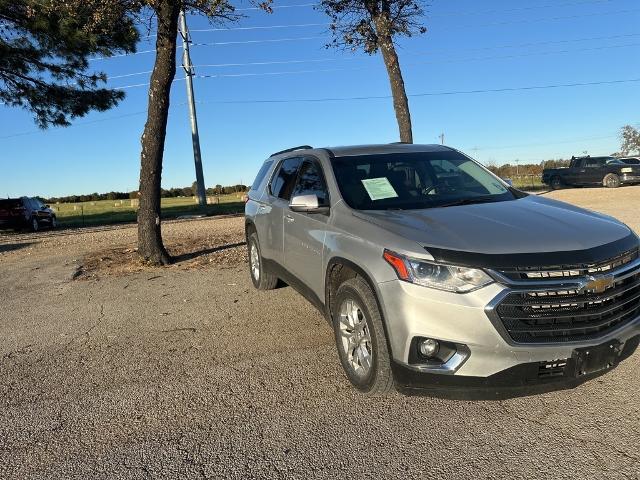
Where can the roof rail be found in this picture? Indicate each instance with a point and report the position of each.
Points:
(292, 149)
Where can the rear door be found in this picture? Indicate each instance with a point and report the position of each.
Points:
(278, 195)
(304, 233)
(573, 174)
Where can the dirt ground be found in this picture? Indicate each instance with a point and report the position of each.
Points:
(112, 370)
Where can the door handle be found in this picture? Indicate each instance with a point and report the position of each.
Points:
(289, 218)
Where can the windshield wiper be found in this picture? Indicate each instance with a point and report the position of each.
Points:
(469, 201)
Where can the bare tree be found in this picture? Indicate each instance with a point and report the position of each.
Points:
(630, 140)
(372, 25)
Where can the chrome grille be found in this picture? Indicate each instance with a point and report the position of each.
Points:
(571, 271)
(546, 312)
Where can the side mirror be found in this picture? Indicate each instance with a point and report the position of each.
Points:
(46, 206)
(307, 204)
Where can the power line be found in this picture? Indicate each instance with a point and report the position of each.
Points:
(429, 62)
(427, 94)
(272, 40)
(300, 5)
(260, 27)
(508, 22)
(335, 59)
(482, 12)
(342, 99)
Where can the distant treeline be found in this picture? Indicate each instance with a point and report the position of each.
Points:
(511, 169)
(172, 192)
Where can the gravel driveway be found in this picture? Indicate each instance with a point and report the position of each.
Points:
(188, 372)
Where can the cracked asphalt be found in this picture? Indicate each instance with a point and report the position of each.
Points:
(191, 373)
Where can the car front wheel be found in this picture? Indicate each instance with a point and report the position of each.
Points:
(360, 338)
(611, 180)
(35, 226)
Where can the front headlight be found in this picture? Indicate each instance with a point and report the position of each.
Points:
(437, 275)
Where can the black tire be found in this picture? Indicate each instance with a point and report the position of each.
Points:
(34, 225)
(262, 279)
(556, 183)
(611, 180)
(54, 222)
(379, 378)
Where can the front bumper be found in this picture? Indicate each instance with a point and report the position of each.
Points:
(519, 380)
(630, 178)
(493, 361)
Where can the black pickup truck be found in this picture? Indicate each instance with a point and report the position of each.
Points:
(606, 171)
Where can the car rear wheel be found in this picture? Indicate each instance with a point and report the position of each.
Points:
(35, 226)
(611, 180)
(261, 279)
(556, 183)
(360, 338)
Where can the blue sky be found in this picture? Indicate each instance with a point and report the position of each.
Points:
(470, 45)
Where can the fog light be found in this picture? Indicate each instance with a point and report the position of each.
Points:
(428, 347)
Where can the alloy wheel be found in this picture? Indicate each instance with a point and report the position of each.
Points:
(254, 259)
(356, 337)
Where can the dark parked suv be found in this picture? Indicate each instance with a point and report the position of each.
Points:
(25, 212)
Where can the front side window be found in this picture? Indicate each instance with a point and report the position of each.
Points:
(284, 180)
(415, 181)
(311, 182)
(594, 162)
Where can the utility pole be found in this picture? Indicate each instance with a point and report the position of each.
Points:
(441, 137)
(195, 137)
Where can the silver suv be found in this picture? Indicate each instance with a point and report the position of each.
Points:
(436, 274)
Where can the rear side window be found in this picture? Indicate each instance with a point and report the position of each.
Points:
(284, 180)
(261, 174)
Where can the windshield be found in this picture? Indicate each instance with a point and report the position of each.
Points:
(415, 181)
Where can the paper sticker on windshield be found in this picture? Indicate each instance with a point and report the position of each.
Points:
(379, 188)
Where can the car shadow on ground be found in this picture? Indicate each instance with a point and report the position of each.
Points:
(9, 247)
(191, 255)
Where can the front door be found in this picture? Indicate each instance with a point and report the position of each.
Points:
(594, 170)
(304, 233)
(279, 191)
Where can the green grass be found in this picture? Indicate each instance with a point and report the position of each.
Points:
(106, 212)
(528, 182)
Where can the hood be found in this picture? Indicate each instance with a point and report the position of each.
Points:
(528, 225)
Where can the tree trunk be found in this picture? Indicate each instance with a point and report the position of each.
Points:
(150, 246)
(400, 101)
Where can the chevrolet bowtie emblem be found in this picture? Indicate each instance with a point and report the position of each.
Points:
(598, 284)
